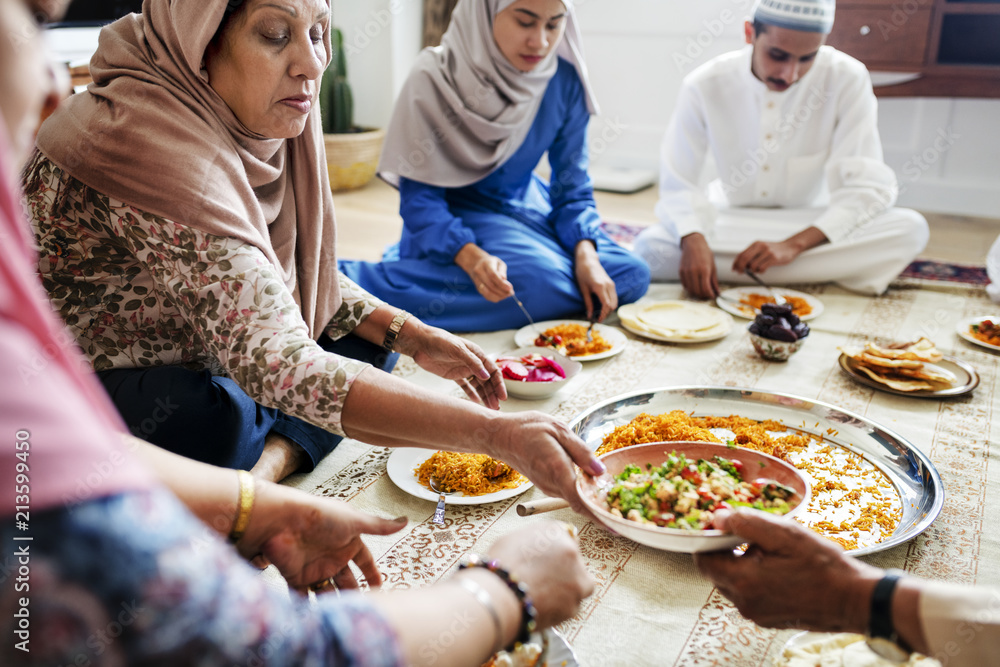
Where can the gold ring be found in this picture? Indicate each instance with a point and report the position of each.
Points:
(320, 585)
(571, 529)
(471, 378)
(482, 286)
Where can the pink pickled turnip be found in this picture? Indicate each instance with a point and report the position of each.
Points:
(514, 370)
(531, 368)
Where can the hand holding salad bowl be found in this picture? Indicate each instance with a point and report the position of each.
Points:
(666, 495)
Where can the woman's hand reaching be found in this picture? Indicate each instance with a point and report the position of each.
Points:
(311, 539)
(453, 358)
(488, 273)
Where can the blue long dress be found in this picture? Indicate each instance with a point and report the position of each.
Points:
(514, 215)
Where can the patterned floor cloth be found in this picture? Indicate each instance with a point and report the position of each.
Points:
(922, 269)
(652, 607)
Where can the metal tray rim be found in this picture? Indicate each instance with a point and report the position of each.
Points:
(926, 468)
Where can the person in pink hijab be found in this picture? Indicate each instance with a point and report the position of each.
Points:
(106, 567)
(187, 239)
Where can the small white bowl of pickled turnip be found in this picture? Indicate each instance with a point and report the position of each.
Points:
(536, 372)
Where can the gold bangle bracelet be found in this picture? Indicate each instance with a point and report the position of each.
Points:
(245, 506)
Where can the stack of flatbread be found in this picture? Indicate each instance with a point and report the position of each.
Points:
(902, 366)
(675, 321)
(840, 650)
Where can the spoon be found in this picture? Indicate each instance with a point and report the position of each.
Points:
(439, 510)
(548, 339)
(778, 299)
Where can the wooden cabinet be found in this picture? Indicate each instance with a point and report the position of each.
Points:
(951, 47)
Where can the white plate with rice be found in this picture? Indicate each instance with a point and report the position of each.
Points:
(404, 460)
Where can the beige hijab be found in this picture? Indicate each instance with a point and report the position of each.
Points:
(465, 109)
(152, 133)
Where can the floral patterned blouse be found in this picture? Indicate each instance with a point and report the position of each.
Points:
(139, 290)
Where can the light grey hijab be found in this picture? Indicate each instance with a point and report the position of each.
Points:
(464, 109)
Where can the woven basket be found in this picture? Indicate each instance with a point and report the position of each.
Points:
(352, 158)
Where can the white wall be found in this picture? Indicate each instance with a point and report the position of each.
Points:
(381, 38)
(945, 151)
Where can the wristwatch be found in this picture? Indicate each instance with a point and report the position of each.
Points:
(393, 331)
(882, 637)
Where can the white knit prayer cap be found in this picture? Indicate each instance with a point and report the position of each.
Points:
(804, 15)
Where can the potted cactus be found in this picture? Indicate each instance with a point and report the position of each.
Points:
(352, 152)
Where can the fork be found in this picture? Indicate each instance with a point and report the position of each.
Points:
(439, 510)
(778, 299)
(593, 320)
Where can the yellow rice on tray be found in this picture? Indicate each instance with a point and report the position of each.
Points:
(679, 425)
(867, 489)
(472, 474)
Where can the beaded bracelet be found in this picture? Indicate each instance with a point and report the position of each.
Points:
(520, 589)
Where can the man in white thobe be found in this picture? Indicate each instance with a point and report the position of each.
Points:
(772, 162)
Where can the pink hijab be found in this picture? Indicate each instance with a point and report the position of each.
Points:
(152, 133)
(48, 398)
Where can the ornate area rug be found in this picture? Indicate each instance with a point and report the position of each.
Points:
(922, 269)
(652, 607)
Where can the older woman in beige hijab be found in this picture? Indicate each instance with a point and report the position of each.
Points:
(187, 238)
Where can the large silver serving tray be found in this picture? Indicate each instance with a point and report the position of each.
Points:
(912, 474)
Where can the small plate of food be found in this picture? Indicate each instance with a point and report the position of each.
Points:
(981, 330)
(470, 479)
(745, 302)
(569, 337)
(675, 321)
(839, 648)
(536, 372)
(545, 649)
(665, 494)
(915, 369)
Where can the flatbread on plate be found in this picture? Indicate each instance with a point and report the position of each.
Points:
(896, 382)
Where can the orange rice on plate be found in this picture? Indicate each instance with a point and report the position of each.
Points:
(572, 340)
(472, 474)
(799, 305)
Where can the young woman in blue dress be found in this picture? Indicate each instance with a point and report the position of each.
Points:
(507, 86)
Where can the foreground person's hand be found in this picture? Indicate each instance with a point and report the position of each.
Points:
(453, 358)
(311, 539)
(546, 557)
(697, 271)
(543, 449)
(790, 576)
